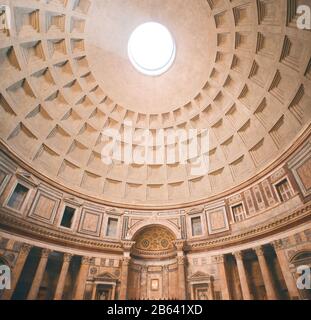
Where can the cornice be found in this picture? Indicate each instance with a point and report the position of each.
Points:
(286, 155)
(21, 227)
(254, 233)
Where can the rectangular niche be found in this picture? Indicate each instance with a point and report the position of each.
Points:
(7, 116)
(157, 192)
(112, 227)
(217, 218)
(22, 94)
(81, 6)
(18, 197)
(77, 25)
(43, 80)
(64, 70)
(24, 140)
(27, 21)
(55, 22)
(90, 223)
(8, 62)
(44, 207)
(57, 48)
(33, 52)
(196, 226)
(68, 218)
(301, 168)
(77, 45)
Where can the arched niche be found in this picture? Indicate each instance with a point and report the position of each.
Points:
(153, 270)
(146, 223)
(154, 242)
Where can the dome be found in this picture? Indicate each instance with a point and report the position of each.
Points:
(139, 133)
(223, 80)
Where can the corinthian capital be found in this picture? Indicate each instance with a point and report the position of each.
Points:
(67, 257)
(278, 245)
(25, 249)
(259, 251)
(238, 255)
(219, 259)
(179, 244)
(86, 260)
(127, 245)
(45, 253)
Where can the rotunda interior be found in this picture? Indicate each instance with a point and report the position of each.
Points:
(155, 150)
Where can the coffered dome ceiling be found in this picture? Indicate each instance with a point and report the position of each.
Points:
(242, 70)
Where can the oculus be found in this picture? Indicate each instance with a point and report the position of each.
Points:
(151, 49)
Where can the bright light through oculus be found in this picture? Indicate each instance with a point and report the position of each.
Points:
(151, 49)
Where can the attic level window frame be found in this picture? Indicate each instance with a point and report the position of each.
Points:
(115, 235)
(137, 50)
(280, 193)
(10, 201)
(194, 233)
(72, 218)
(4, 179)
(238, 216)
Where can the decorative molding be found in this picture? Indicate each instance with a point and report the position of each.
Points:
(238, 255)
(217, 218)
(60, 237)
(288, 153)
(218, 259)
(127, 245)
(179, 244)
(86, 260)
(25, 249)
(45, 253)
(296, 163)
(259, 251)
(27, 177)
(73, 201)
(67, 257)
(23, 227)
(260, 231)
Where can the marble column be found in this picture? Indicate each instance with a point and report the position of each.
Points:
(143, 282)
(192, 293)
(211, 290)
(82, 277)
(287, 275)
(35, 287)
(181, 260)
(165, 280)
(127, 246)
(242, 275)
(266, 275)
(62, 277)
(137, 283)
(181, 277)
(124, 277)
(220, 261)
(17, 270)
(94, 291)
(113, 292)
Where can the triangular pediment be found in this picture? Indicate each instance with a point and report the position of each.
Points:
(199, 275)
(28, 178)
(106, 276)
